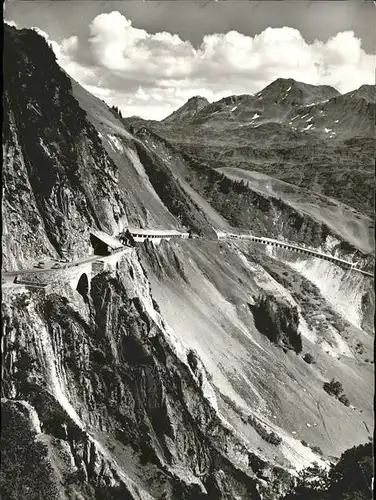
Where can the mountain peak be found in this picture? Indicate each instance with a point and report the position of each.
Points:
(198, 99)
(285, 81)
(366, 92)
(282, 83)
(188, 110)
(288, 89)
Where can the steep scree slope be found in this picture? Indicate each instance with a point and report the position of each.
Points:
(145, 180)
(154, 198)
(209, 295)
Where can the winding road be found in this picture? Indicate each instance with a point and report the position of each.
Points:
(7, 276)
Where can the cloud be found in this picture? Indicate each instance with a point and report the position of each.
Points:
(11, 23)
(153, 74)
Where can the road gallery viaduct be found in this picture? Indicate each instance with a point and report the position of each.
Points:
(295, 248)
(79, 273)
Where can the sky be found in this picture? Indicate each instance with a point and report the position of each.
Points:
(149, 58)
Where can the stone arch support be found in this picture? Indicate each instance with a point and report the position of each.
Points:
(78, 276)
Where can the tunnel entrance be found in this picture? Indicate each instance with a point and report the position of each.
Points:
(99, 246)
(83, 285)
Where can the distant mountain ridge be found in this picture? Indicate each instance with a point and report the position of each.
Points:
(308, 135)
(367, 92)
(277, 101)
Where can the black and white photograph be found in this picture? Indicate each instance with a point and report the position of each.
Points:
(188, 251)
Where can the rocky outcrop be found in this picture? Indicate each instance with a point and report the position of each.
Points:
(367, 307)
(276, 319)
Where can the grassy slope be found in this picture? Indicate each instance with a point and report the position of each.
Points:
(269, 207)
(323, 167)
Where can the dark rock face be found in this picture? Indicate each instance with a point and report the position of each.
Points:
(278, 321)
(368, 310)
(25, 468)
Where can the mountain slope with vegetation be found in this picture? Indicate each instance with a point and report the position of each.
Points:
(310, 136)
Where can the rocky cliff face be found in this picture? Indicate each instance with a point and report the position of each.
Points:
(58, 181)
(110, 401)
(70, 165)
